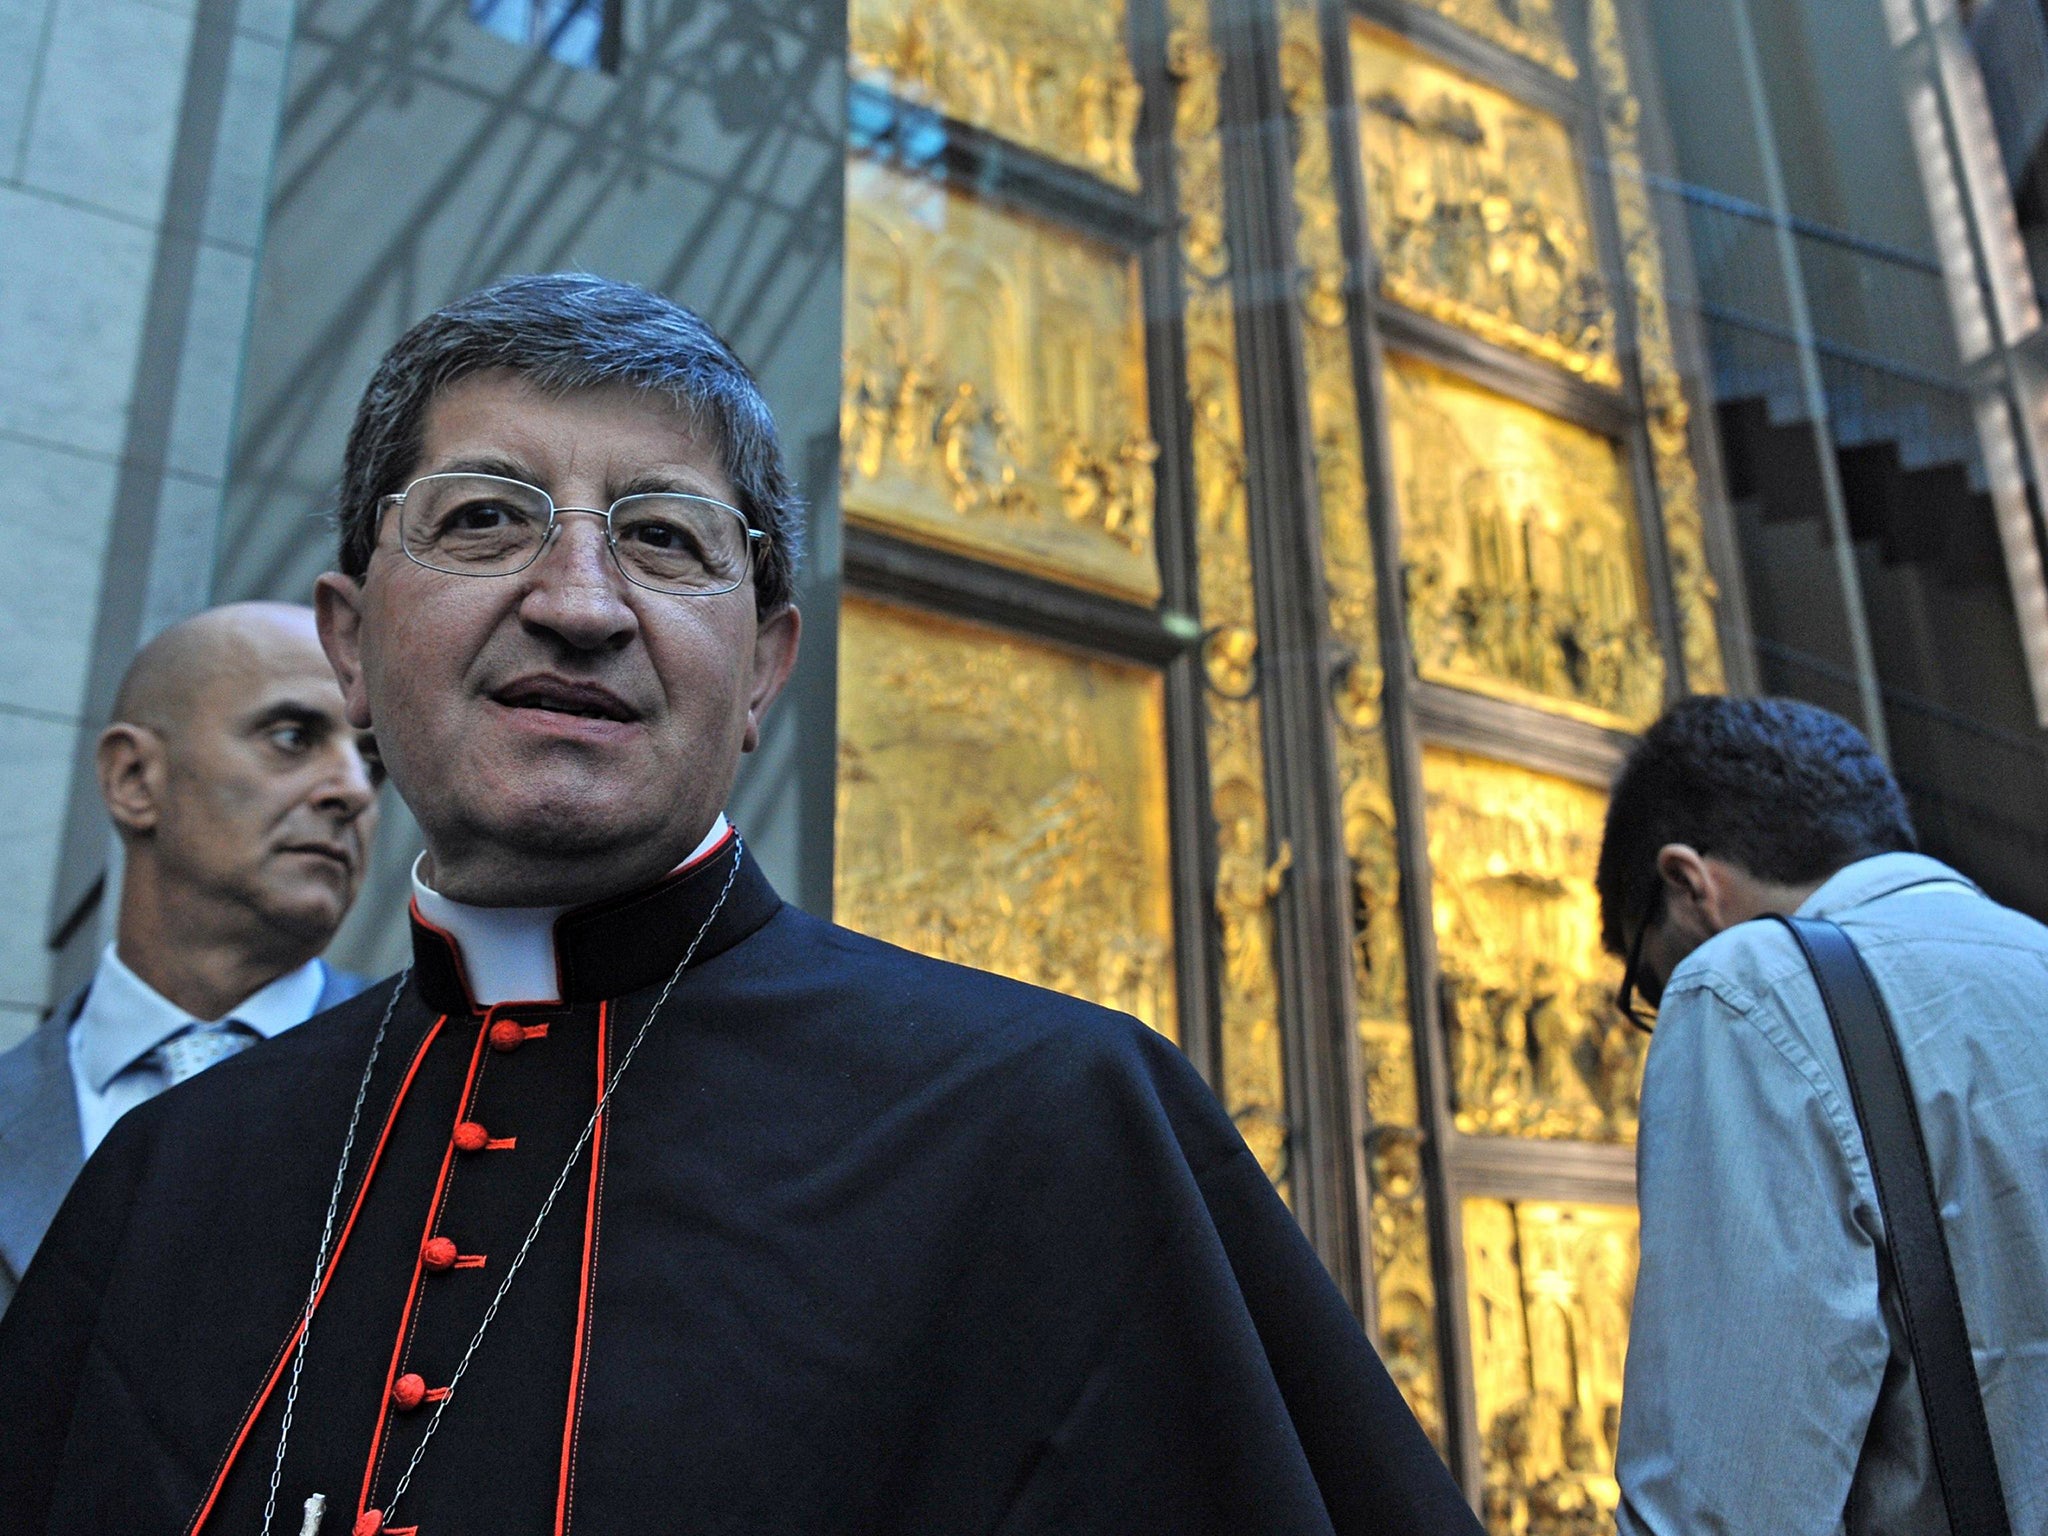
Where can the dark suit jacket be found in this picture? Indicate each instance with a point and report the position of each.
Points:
(41, 1143)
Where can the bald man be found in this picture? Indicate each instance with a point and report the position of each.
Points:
(244, 802)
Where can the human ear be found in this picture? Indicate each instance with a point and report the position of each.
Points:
(1692, 895)
(775, 647)
(132, 772)
(338, 613)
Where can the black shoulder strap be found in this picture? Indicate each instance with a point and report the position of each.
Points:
(1928, 1304)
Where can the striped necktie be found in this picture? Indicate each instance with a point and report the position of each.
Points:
(198, 1046)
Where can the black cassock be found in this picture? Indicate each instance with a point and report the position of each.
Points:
(865, 1243)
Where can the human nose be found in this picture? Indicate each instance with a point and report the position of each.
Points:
(350, 787)
(575, 589)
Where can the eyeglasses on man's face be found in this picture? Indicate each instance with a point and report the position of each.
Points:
(485, 525)
(1632, 998)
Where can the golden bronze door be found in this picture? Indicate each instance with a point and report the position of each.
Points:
(1538, 485)
(1050, 726)
(1273, 496)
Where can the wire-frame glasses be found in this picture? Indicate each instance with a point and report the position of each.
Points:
(486, 525)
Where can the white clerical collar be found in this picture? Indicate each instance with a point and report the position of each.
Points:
(125, 1017)
(508, 953)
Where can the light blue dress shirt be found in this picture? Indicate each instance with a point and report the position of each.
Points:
(125, 1018)
(1768, 1385)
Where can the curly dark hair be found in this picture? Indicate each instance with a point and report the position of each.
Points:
(1785, 790)
(566, 331)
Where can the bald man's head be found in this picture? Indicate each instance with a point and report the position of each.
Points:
(244, 798)
(172, 670)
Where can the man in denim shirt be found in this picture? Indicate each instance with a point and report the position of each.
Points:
(1769, 1386)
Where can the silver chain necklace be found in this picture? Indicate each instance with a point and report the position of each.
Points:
(316, 1506)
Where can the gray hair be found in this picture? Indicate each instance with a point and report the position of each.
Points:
(567, 331)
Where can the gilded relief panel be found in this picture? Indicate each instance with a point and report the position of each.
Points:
(1404, 1283)
(1527, 27)
(1550, 1288)
(994, 398)
(1476, 208)
(1521, 551)
(1667, 414)
(1049, 860)
(1052, 75)
(1537, 1047)
(1248, 873)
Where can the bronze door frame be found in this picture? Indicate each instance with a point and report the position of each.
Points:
(1418, 713)
(891, 567)
(1328, 1129)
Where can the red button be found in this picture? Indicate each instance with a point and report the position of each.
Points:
(438, 1253)
(507, 1036)
(369, 1523)
(408, 1392)
(471, 1137)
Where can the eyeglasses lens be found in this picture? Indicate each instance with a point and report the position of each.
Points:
(473, 525)
(680, 543)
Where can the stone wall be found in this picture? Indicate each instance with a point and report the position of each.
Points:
(135, 142)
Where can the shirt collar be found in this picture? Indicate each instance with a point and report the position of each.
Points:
(1883, 874)
(508, 954)
(124, 1017)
